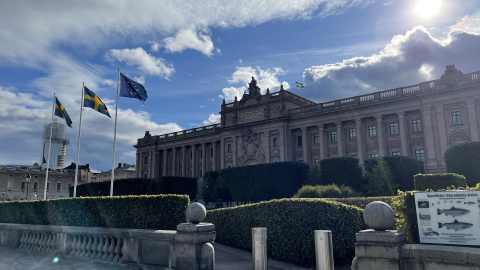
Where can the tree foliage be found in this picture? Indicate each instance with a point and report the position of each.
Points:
(464, 159)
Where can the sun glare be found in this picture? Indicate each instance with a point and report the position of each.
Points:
(427, 8)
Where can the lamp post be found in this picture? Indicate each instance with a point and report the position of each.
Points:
(27, 179)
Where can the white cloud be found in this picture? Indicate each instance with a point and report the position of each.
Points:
(229, 93)
(266, 78)
(145, 62)
(189, 39)
(408, 59)
(212, 119)
(154, 46)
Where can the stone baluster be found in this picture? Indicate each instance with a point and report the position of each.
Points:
(54, 242)
(37, 240)
(118, 249)
(101, 242)
(83, 247)
(78, 247)
(27, 238)
(105, 248)
(94, 252)
(111, 249)
(41, 241)
(31, 241)
(22, 240)
(88, 247)
(49, 243)
(74, 244)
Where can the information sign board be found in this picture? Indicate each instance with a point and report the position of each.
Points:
(448, 217)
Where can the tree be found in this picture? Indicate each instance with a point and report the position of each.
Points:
(464, 159)
(314, 176)
(380, 180)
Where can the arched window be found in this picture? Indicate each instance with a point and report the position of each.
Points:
(275, 142)
(229, 148)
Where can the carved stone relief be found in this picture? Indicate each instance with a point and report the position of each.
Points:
(251, 147)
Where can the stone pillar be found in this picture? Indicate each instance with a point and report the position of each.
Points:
(184, 161)
(380, 136)
(266, 144)
(214, 159)
(340, 139)
(194, 161)
(430, 159)
(321, 137)
(235, 146)
(472, 120)
(165, 166)
(360, 151)
(281, 143)
(222, 154)
(442, 134)
(403, 134)
(138, 166)
(305, 145)
(174, 163)
(204, 159)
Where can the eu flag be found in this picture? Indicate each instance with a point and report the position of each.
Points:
(300, 85)
(61, 112)
(93, 101)
(132, 89)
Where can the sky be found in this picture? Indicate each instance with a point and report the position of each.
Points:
(190, 55)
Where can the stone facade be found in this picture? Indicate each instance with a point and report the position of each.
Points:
(419, 121)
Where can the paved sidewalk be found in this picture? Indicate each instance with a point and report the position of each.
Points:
(226, 258)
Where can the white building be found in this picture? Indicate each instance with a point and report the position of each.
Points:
(58, 150)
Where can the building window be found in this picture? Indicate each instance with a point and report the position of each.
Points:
(48, 186)
(211, 152)
(229, 148)
(419, 155)
(10, 185)
(275, 142)
(333, 136)
(145, 160)
(352, 134)
(11, 175)
(354, 156)
(59, 178)
(393, 128)
(59, 186)
(456, 118)
(373, 155)
(396, 153)
(316, 138)
(372, 131)
(417, 125)
(23, 185)
(35, 185)
(317, 161)
(299, 141)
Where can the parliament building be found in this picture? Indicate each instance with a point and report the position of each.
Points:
(419, 121)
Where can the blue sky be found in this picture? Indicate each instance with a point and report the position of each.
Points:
(190, 55)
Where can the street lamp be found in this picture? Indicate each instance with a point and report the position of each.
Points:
(27, 179)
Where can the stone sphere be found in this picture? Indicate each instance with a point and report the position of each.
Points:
(379, 216)
(196, 212)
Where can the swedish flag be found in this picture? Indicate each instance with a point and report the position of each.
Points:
(93, 101)
(132, 89)
(300, 85)
(61, 112)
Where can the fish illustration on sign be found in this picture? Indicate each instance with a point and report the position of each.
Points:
(453, 211)
(455, 225)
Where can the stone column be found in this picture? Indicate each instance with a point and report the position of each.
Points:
(360, 151)
(151, 170)
(174, 163)
(442, 134)
(321, 138)
(472, 120)
(222, 154)
(281, 143)
(165, 166)
(266, 145)
(204, 159)
(305, 145)
(403, 134)
(184, 161)
(214, 159)
(194, 161)
(235, 146)
(138, 166)
(340, 139)
(430, 159)
(380, 136)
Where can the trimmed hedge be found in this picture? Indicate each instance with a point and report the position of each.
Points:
(257, 182)
(439, 181)
(328, 191)
(140, 186)
(290, 227)
(464, 160)
(406, 215)
(159, 212)
(402, 168)
(361, 202)
(342, 171)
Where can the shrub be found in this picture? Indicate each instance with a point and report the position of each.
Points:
(290, 227)
(402, 168)
(329, 191)
(140, 186)
(406, 217)
(361, 202)
(210, 186)
(439, 181)
(342, 171)
(380, 180)
(314, 176)
(160, 212)
(464, 159)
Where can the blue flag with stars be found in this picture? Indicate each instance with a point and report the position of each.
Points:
(93, 101)
(132, 89)
(61, 112)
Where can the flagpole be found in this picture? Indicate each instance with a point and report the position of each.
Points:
(114, 139)
(49, 148)
(78, 146)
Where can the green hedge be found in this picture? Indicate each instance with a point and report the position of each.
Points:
(439, 181)
(361, 202)
(402, 168)
(464, 159)
(257, 182)
(140, 186)
(160, 212)
(290, 227)
(328, 191)
(342, 171)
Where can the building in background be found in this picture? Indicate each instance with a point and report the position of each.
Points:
(419, 121)
(123, 171)
(58, 149)
(84, 173)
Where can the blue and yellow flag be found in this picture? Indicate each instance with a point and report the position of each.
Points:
(300, 85)
(61, 112)
(132, 89)
(93, 101)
